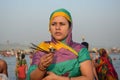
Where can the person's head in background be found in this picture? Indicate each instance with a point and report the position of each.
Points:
(86, 44)
(103, 52)
(60, 25)
(22, 56)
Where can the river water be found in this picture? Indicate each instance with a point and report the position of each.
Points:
(12, 60)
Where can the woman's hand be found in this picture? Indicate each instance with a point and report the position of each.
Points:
(45, 61)
(50, 76)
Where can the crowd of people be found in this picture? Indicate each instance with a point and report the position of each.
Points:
(61, 58)
(102, 66)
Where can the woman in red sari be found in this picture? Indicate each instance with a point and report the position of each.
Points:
(105, 68)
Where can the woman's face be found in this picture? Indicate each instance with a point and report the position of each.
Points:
(59, 28)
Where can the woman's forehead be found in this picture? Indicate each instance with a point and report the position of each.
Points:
(59, 19)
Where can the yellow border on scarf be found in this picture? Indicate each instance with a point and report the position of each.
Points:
(60, 14)
(57, 46)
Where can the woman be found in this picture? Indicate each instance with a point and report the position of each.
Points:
(21, 72)
(105, 68)
(21, 68)
(69, 61)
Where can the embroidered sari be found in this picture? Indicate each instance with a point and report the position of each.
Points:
(105, 68)
(67, 56)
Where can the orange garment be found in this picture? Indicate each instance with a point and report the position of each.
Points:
(22, 71)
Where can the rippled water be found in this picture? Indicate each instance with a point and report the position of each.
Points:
(12, 60)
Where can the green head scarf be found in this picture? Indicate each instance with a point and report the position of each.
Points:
(63, 12)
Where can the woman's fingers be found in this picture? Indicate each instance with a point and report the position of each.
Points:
(47, 59)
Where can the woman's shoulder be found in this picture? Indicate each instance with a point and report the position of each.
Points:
(77, 46)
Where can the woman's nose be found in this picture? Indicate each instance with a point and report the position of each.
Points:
(57, 26)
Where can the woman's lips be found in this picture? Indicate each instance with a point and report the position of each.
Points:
(58, 33)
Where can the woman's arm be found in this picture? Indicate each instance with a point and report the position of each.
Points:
(40, 71)
(86, 70)
(94, 70)
(37, 74)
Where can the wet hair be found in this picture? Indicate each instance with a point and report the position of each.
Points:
(85, 44)
(70, 24)
(22, 56)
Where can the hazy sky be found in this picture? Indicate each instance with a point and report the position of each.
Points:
(26, 21)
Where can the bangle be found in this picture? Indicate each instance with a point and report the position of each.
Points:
(41, 68)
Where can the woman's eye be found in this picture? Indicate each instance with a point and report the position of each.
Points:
(62, 23)
(53, 24)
